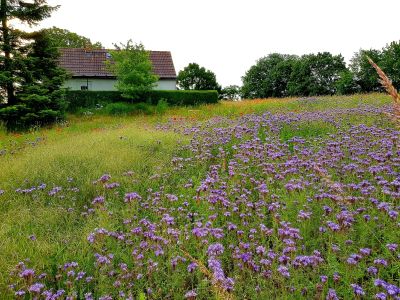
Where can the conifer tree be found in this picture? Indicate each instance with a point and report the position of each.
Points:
(30, 79)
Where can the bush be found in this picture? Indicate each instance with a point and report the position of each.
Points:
(22, 117)
(161, 107)
(119, 108)
(89, 99)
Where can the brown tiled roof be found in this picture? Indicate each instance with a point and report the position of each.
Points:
(91, 63)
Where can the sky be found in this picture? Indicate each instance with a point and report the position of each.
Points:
(229, 36)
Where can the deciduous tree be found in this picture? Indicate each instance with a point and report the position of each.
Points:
(63, 38)
(316, 74)
(194, 77)
(269, 77)
(364, 74)
(132, 65)
(231, 92)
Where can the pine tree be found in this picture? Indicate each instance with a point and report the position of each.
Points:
(30, 79)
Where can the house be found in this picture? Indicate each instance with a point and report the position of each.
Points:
(89, 71)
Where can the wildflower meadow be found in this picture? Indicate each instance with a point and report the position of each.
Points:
(271, 199)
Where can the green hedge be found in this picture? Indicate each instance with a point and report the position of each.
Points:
(89, 99)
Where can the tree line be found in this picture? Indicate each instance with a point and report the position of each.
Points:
(284, 75)
(280, 75)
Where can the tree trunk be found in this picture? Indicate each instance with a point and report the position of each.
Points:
(6, 47)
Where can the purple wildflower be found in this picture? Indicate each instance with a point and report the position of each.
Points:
(357, 289)
(129, 197)
(191, 294)
(36, 287)
(332, 295)
(215, 249)
(192, 266)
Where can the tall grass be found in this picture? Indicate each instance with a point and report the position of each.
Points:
(52, 230)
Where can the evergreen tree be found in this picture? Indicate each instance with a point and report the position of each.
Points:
(30, 79)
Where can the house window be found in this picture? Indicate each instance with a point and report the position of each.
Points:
(84, 88)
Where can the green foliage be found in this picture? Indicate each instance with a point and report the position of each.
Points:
(124, 109)
(231, 92)
(390, 62)
(119, 108)
(30, 78)
(316, 74)
(89, 99)
(63, 38)
(14, 43)
(364, 74)
(194, 77)
(346, 84)
(269, 77)
(183, 98)
(161, 107)
(388, 58)
(40, 99)
(133, 68)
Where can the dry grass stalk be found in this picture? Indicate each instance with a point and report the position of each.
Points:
(387, 84)
(220, 293)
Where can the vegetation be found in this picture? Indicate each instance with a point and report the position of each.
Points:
(231, 92)
(91, 99)
(281, 75)
(63, 38)
(30, 79)
(280, 198)
(194, 77)
(132, 66)
(316, 74)
(269, 77)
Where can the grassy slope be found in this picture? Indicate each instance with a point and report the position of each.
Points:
(88, 148)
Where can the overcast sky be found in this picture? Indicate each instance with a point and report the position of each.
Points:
(228, 37)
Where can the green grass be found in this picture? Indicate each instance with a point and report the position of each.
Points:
(84, 157)
(85, 147)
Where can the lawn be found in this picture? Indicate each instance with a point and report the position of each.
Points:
(278, 198)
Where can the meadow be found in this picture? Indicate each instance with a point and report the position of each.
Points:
(293, 198)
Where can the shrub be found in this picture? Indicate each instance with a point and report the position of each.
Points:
(22, 116)
(161, 106)
(119, 108)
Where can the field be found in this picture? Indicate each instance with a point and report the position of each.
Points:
(265, 199)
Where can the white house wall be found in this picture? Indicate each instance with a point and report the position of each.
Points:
(166, 85)
(75, 84)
